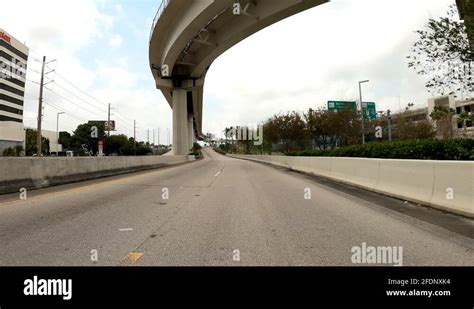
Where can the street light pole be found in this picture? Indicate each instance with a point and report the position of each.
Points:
(57, 131)
(362, 109)
(389, 120)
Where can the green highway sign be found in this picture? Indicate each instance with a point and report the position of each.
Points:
(370, 111)
(334, 106)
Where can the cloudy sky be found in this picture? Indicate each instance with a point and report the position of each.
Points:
(101, 48)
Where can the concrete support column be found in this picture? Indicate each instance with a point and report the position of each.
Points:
(190, 131)
(180, 122)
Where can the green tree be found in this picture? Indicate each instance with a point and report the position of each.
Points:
(409, 129)
(85, 137)
(466, 12)
(129, 148)
(143, 149)
(463, 119)
(318, 127)
(443, 54)
(65, 140)
(443, 117)
(116, 144)
(345, 127)
(30, 143)
(288, 130)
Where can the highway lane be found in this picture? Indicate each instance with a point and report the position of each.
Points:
(220, 211)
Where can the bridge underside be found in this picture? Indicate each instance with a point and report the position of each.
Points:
(189, 35)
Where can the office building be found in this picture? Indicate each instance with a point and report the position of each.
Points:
(13, 62)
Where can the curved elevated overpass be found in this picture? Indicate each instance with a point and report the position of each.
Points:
(188, 35)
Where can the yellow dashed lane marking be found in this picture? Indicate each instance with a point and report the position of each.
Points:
(132, 257)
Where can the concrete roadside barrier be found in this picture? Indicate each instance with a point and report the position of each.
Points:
(407, 179)
(454, 186)
(34, 172)
(357, 171)
(445, 185)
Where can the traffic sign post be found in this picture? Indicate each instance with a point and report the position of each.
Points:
(335, 106)
(101, 147)
(370, 111)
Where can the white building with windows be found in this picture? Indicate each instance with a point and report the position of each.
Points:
(13, 63)
(463, 128)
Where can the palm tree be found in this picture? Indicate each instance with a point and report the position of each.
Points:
(443, 116)
(463, 118)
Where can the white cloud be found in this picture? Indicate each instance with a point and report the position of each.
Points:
(115, 41)
(318, 55)
(63, 30)
(298, 63)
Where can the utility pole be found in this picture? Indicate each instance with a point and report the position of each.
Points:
(148, 136)
(158, 136)
(389, 119)
(40, 110)
(362, 110)
(135, 137)
(153, 136)
(108, 121)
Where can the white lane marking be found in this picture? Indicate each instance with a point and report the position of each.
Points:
(126, 230)
(218, 173)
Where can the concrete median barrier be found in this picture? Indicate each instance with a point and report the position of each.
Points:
(359, 172)
(407, 179)
(33, 173)
(454, 186)
(445, 185)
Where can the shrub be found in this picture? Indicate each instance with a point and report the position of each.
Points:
(9, 152)
(426, 149)
(196, 151)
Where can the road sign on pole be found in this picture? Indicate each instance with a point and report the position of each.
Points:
(370, 111)
(334, 106)
(101, 147)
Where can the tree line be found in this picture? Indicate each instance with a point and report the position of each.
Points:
(84, 141)
(293, 131)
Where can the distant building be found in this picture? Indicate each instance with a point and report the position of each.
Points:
(466, 106)
(412, 115)
(460, 129)
(448, 101)
(54, 146)
(13, 62)
(460, 106)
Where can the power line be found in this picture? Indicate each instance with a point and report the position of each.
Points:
(64, 110)
(33, 71)
(70, 83)
(77, 96)
(75, 103)
(57, 84)
(32, 81)
(88, 110)
(120, 116)
(93, 98)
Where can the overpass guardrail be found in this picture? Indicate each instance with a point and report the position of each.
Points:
(161, 8)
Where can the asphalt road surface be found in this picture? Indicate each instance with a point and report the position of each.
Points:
(220, 211)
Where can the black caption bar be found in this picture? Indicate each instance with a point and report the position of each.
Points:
(399, 286)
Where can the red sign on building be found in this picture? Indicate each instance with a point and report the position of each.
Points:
(5, 37)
